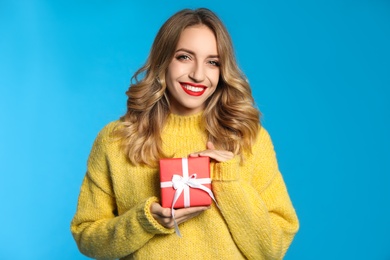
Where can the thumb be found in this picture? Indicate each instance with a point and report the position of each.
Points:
(156, 208)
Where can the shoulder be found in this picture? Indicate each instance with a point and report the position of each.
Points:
(108, 130)
(107, 134)
(105, 142)
(263, 135)
(110, 127)
(263, 140)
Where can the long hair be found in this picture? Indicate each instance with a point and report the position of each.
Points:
(230, 118)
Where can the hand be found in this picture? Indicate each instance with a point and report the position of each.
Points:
(218, 155)
(164, 215)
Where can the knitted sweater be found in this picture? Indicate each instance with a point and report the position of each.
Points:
(255, 218)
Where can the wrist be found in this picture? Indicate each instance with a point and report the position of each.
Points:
(226, 171)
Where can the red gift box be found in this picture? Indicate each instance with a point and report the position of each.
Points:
(185, 182)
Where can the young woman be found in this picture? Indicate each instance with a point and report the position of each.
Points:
(189, 99)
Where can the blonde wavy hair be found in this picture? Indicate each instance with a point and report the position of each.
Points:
(230, 117)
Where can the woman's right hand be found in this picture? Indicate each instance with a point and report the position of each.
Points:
(218, 155)
(164, 215)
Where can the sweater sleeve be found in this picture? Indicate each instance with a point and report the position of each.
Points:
(257, 210)
(98, 230)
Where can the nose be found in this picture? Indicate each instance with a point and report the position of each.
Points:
(197, 73)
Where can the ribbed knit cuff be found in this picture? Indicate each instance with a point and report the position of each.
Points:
(148, 222)
(226, 171)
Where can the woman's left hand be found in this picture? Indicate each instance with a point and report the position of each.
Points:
(218, 155)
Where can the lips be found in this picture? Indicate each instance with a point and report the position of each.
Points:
(193, 89)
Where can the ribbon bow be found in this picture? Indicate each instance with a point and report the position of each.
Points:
(181, 184)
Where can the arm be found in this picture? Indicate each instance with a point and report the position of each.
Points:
(97, 229)
(254, 202)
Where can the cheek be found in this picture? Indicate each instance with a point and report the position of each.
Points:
(168, 73)
(214, 77)
(175, 70)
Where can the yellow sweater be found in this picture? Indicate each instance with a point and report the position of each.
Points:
(255, 219)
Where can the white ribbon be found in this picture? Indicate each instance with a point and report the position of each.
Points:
(182, 184)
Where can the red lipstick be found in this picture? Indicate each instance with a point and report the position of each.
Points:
(193, 89)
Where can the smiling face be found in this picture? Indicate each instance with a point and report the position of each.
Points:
(193, 74)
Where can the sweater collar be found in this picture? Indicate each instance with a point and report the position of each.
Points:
(184, 124)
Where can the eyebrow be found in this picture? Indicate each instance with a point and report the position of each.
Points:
(193, 53)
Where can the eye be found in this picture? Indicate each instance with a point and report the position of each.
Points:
(214, 63)
(183, 57)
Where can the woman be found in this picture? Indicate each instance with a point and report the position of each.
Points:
(189, 99)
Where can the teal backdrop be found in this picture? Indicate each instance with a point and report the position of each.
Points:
(319, 72)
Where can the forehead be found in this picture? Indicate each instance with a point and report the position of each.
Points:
(198, 38)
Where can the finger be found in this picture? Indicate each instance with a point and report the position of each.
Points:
(187, 217)
(220, 156)
(182, 215)
(166, 222)
(213, 153)
(162, 215)
(157, 209)
(179, 213)
(210, 145)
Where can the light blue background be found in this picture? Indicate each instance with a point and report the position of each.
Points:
(319, 72)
